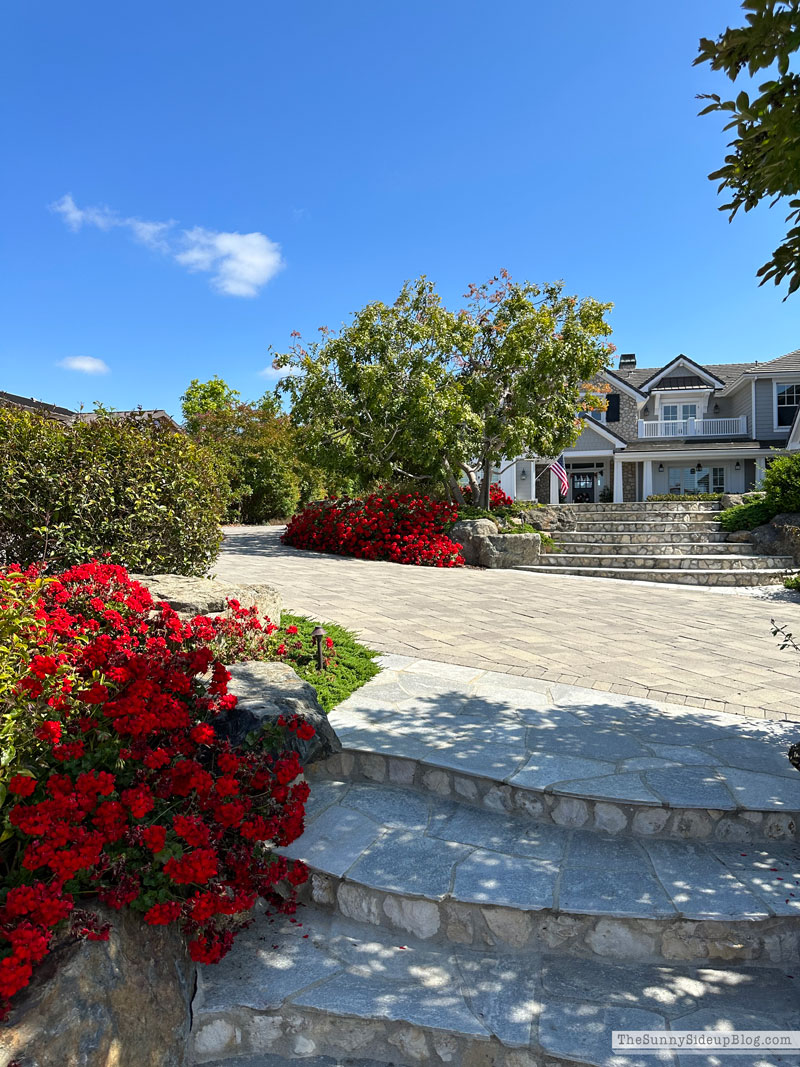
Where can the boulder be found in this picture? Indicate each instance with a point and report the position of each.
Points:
(779, 537)
(470, 534)
(731, 500)
(209, 596)
(550, 518)
(125, 1001)
(510, 550)
(265, 691)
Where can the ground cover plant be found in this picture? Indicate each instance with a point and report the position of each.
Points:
(347, 664)
(399, 527)
(114, 784)
(148, 497)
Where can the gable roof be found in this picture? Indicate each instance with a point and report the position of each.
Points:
(601, 429)
(727, 373)
(704, 372)
(626, 386)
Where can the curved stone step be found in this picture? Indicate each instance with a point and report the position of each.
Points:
(567, 755)
(673, 561)
(646, 506)
(698, 525)
(361, 995)
(444, 870)
(768, 576)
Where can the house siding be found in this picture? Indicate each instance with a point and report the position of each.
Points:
(765, 411)
(589, 441)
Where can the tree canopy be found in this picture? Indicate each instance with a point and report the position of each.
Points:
(764, 157)
(413, 390)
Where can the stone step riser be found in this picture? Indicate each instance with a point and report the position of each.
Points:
(642, 821)
(692, 517)
(486, 925)
(681, 577)
(647, 526)
(679, 562)
(656, 537)
(667, 548)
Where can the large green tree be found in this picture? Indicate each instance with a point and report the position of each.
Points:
(415, 391)
(764, 157)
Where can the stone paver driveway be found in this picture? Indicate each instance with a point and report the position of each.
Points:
(683, 645)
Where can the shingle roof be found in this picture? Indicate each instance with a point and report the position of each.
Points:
(726, 372)
(30, 403)
(789, 363)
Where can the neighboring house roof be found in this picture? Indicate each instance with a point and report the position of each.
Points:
(38, 407)
(68, 416)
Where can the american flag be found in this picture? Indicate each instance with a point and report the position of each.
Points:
(557, 467)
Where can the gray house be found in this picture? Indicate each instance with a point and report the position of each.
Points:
(683, 428)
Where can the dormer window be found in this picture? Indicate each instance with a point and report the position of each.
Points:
(670, 412)
(787, 401)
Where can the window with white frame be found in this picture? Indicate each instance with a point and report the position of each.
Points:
(787, 401)
(717, 479)
(669, 412)
(673, 412)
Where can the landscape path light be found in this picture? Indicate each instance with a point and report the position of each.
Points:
(318, 633)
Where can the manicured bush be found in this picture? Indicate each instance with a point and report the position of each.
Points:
(746, 516)
(145, 497)
(782, 485)
(114, 783)
(400, 527)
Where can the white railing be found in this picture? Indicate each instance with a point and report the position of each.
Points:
(694, 427)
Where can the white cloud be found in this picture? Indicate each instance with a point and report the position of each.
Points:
(85, 365)
(240, 263)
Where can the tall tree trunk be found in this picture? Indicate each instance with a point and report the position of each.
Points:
(451, 482)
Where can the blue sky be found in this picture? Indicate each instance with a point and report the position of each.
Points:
(360, 143)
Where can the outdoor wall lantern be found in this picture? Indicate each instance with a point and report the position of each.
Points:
(737, 466)
(699, 466)
(661, 468)
(716, 409)
(523, 474)
(646, 411)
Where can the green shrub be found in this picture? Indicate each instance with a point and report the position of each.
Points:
(746, 516)
(684, 497)
(142, 496)
(782, 484)
(793, 583)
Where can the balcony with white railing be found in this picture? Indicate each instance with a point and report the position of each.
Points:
(735, 427)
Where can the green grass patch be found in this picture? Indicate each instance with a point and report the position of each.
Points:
(353, 665)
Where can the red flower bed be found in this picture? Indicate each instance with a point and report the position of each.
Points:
(498, 498)
(400, 527)
(117, 784)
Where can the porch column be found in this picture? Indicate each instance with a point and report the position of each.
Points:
(555, 488)
(647, 479)
(761, 470)
(508, 479)
(618, 491)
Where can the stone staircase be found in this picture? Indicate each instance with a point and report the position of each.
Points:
(657, 542)
(505, 871)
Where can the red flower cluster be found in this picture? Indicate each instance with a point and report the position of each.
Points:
(498, 498)
(120, 786)
(399, 527)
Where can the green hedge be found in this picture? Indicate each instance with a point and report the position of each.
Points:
(146, 497)
(746, 516)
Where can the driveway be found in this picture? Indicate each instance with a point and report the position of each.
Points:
(701, 647)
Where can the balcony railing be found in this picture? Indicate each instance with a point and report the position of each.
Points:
(694, 427)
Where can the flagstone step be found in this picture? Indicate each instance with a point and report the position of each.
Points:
(657, 537)
(691, 518)
(770, 576)
(696, 525)
(567, 755)
(335, 988)
(675, 547)
(675, 561)
(445, 870)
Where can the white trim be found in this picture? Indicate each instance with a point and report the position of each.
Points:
(619, 492)
(753, 408)
(647, 479)
(715, 453)
(569, 452)
(788, 380)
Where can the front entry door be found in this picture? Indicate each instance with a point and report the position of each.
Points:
(583, 488)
